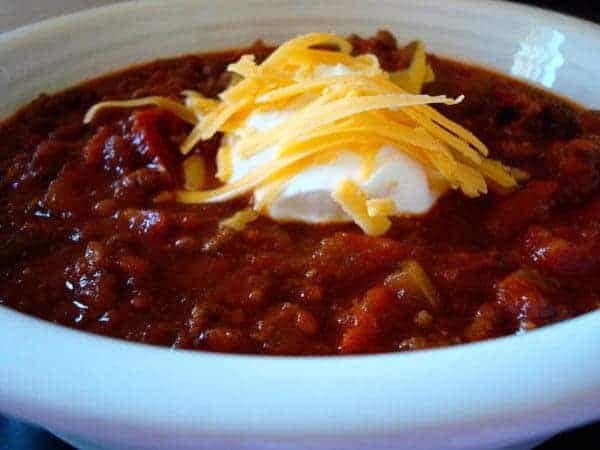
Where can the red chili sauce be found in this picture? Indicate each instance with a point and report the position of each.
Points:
(83, 244)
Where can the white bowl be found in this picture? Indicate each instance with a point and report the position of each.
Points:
(102, 393)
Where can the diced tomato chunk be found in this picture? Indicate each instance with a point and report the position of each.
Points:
(529, 205)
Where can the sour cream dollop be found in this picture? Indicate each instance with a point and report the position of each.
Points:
(307, 195)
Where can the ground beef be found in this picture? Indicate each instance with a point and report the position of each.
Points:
(83, 243)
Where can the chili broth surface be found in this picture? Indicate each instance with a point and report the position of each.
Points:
(83, 243)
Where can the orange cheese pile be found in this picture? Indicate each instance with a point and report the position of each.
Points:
(365, 108)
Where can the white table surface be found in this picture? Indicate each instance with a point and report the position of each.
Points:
(15, 13)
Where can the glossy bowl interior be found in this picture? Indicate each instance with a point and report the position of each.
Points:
(103, 393)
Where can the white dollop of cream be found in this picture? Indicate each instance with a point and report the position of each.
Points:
(307, 195)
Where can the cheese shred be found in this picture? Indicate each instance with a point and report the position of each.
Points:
(354, 203)
(176, 108)
(194, 172)
(380, 207)
(240, 219)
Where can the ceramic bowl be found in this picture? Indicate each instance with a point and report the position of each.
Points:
(100, 393)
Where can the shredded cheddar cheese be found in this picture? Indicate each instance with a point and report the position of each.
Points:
(380, 207)
(240, 219)
(194, 172)
(176, 108)
(361, 109)
(354, 203)
(417, 74)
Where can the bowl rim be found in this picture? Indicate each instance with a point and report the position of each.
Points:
(51, 23)
(38, 395)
